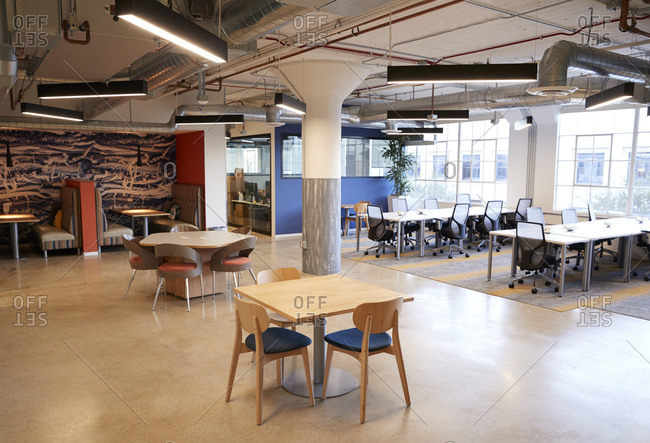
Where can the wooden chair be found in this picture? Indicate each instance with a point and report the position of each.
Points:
(369, 337)
(360, 211)
(191, 266)
(244, 230)
(273, 275)
(268, 344)
(143, 260)
(225, 260)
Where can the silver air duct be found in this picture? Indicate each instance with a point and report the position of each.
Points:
(8, 62)
(158, 69)
(553, 68)
(244, 21)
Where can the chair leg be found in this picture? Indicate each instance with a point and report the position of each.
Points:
(402, 375)
(214, 276)
(187, 293)
(233, 368)
(328, 366)
(278, 367)
(202, 299)
(157, 292)
(363, 358)
(129, 286)
(259, 379)
(253, 274)
(305, 360)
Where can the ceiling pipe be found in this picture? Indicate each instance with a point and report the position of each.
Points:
(8, 61)
(624, 26)
(556, 61)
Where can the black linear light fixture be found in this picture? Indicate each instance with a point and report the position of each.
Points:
(290, 104)
(51, 112)
(128, 88)
(428, 115)
(165, 23)
(524, 123)
(503, 72)
(416, 131)
(609, 96)
(215, 119)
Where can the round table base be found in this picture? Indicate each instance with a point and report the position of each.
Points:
(340, 382)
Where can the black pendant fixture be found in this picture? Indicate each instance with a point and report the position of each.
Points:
(10, 163)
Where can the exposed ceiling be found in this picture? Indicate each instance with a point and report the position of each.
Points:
(377, 32)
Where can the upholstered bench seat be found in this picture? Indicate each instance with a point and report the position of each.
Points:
(189, 199)
(48, 233)
(49, 237)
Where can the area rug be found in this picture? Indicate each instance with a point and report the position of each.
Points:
(607, 292)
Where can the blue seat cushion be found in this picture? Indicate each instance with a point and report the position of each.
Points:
(277, 340)
(351, 339)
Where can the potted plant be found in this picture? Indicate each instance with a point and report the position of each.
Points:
(400, 162)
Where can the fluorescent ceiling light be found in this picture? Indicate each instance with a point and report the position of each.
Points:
(290, 104)
(216, 119)
(508, 72)
(130, 88)
(165, 23)
(524, 123)
(51, 112)
(417, 131)
(609, 96)
(427, 115)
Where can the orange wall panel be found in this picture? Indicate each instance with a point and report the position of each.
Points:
(87, 213)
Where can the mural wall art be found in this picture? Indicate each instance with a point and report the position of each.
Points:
(41, 161)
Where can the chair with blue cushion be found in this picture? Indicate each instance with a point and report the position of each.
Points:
(267, 344)
(369, 337)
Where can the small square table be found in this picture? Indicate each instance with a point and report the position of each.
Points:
(144, 214)
(13, 220)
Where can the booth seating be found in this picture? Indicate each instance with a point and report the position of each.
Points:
(66, 232)
(108, 234)
(190, 201)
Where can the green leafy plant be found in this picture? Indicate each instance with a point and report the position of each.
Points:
(400, 162)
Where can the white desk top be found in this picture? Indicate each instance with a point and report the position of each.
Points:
(429, 214)
(194, 239)
(602, 229)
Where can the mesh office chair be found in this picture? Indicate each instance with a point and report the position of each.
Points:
(489, 221)
(644, 242)
(599, 246)
(463, 198)
(535, 215)
(520, 213)
(534, 254)
(432, 204)
(378, 232)
(400, 204)
(570, 217)
(456, 229)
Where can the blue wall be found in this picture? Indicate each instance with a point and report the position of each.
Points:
(288, 191)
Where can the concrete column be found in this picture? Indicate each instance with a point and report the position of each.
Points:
(322, 85)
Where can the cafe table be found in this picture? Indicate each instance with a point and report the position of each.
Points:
(312, 300)
(205, 243)
(144, 214)
(12, 220)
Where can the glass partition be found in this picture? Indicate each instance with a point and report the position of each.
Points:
(248, 168)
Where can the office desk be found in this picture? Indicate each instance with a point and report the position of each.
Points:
(12, 220)
(562, 240)
(205, 243)
(312, 300)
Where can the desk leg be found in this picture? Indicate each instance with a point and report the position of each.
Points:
(13, 239)
(627, 267)
(399, 238)
(489, 269)
(340, 381)
(358, 229)
(513, 258)
(145, 226)
(346, 213)
(587, 265)
(562, 267)
(421, 239)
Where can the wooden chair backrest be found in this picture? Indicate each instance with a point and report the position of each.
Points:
(243, 230)
(361, 207)
(383, 315)
(278, 274)
(252, 317)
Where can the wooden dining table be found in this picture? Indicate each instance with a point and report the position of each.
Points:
(143, 213)
(205, 243)
(12, 220)
(312, 300)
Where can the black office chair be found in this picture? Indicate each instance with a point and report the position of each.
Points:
(401, 204)
(534, 254)
(569, 217)
(644, 242)
(599, 247)
(456, 229)
(431, 225)
(489, 221)
(511, 219)
(378, 232)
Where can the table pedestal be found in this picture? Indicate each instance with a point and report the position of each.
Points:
(341, 382)
(13, 239)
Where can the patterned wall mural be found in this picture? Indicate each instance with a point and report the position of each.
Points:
(42, 161)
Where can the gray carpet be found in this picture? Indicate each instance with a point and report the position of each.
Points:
(608, 291)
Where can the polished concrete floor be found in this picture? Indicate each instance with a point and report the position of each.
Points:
(86, 365)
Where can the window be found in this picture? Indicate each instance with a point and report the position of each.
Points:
(360, 157)
(468, 157)
(598, 164)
